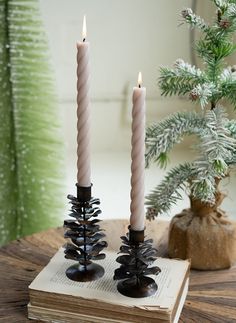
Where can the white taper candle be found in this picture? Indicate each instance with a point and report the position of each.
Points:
(83, 112)
(138, 158)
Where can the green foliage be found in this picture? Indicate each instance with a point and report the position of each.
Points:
(215, 132)
(227, 82)
(194, 21)
(181, 79)
(231, 125)
(216, 148)
(30, 140)
(169, 191)
(161, 137)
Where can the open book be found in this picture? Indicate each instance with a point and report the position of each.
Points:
(55, 297)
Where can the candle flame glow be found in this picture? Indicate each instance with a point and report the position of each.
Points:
(84, 31)
(140, 80)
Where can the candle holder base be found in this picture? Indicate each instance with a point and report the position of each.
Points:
(146, 287)
(138, 255)
(85, 237)
(81, 273)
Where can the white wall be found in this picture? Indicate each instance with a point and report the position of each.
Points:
(126, 36)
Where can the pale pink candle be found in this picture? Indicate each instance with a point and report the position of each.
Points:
(138, 157)
(83, 112)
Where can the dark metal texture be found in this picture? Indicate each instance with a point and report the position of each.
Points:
(146, 287)
(84, 193)
(135, 237)
(85, 237)
(80, 273)
(134, 266)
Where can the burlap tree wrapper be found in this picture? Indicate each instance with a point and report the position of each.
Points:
(204, 234)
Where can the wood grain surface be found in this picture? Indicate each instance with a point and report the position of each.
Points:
(211, 296)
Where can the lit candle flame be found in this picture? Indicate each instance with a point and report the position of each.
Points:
(84, 31)
(140, 81)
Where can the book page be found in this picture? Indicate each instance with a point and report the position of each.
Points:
(53, 279)
(181, 303)
(48, 314)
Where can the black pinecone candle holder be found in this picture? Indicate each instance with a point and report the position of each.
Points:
(85, 235)
(138, 255)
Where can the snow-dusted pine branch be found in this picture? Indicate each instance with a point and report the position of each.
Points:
(204, 93)
(181, 79)
(193, 20)
(216, 151)
(161, 137)
(227, 85)
(168, 192)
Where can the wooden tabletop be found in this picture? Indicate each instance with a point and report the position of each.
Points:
(211, 296)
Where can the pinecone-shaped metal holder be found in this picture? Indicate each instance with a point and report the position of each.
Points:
(85, 234)
(138, 255)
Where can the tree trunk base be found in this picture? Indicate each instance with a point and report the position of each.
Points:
(208, 239)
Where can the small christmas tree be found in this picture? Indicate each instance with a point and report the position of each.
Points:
(31, 151)
(201, 232)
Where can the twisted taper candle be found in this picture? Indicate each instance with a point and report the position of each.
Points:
(138, 159)
(83, 116)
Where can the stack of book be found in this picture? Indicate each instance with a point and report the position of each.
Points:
(55, 298)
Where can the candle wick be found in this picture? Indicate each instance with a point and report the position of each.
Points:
(139, 85)
(83, 39)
